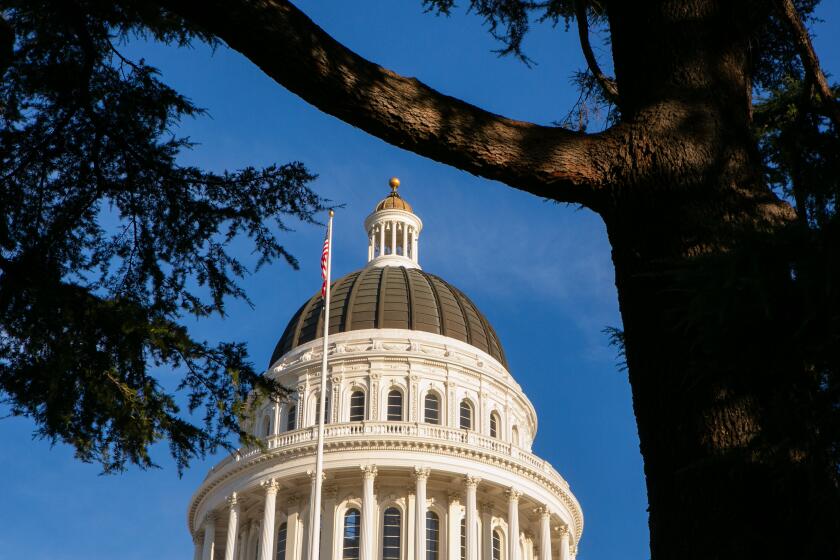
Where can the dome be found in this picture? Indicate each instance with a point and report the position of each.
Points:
(393, 297)
(393, 202)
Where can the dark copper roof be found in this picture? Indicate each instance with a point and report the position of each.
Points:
(394, 201)
(393, 297)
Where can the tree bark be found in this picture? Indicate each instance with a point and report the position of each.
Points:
(718, 402)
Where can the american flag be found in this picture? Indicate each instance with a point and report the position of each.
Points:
(325, 254)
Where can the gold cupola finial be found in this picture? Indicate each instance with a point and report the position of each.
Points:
(394, 182)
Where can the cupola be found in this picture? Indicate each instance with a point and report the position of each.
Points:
(393, 231)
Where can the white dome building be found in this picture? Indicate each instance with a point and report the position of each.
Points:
(427, 446)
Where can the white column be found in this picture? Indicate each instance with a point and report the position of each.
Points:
(453, 523)
(197, 548)
(564, 542)
(513, 524)
(368, 548)
(411, 524)
(405, 239)
(416, 250)
(209, 537)
(487, 530)
(381, 238)
(421, 475)
(242, 541)
(370, 245)
(545, 534)
(233, 527)
(267, 540)
(293, 548)
(393, 238)
(328, 540)
(253, 540)
(471, 483)
(308, 528)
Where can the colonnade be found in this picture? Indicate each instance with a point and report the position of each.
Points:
(382, 240)
(258, 539)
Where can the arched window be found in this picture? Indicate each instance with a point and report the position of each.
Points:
(391, 549)
(431, 409)
(395, 406)
(291, 417)
(352, 534)
(266, 429)
(466, 415)
(432, 535)
(497, 545)
(463, 538)
(357, 406)
(494, 424)
(281, 541)
(514, 435)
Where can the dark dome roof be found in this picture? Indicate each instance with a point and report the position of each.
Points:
(393, 297)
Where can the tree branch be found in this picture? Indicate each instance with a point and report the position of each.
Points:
(809, 59)
(607, 84)
(545, 161)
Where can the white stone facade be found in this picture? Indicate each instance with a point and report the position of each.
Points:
(401, 482)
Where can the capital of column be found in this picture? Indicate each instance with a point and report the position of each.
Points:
(210, 518)
(330, 491)
(454, 497)
(292, 500)
(313, 475)
(487, 507)
(471, 481)
(233, 502)
(543, 512)
(369, 471)
(513, 495)
(422, 473)
(271, 485)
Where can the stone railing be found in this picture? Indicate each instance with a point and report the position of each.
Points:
(413, 431)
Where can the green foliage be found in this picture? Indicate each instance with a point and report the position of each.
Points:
(107, 243)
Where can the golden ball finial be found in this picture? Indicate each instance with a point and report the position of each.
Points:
(395, 184)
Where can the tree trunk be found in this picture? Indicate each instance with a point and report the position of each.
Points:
(719, 402)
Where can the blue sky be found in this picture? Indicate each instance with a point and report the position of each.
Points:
(541, 272)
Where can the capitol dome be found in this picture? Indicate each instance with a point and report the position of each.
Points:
(427, 436)
(392, 297)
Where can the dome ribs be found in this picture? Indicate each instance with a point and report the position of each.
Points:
(396, 301)
(479, 338)
(452, 314)
(351, 299)
(410, 295)
(380, 300)
(426, 314)
(393, 298)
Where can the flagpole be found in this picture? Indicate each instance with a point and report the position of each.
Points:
(314, 531)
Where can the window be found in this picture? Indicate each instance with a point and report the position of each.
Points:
(466, 415)
(432, 535)
(391, 535)
(281, 541)
(395, 406)
(463, 538)
(357, 406)
(497, 545)
(494, 425)
(266, 431)
(352, 534)
(431, 409)
(514, 435)
(291, 417)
